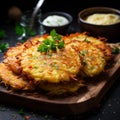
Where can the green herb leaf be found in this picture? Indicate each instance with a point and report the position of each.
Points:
(61, 44)
(83, 52)
(115, 50)
(53, 46)
(19, 29)
(2, 34)
(55, 35)
(3, 47)
(21, 111)
(30, 31)
(86, 40)
(43, 48)
(47, 41)
(53, 43)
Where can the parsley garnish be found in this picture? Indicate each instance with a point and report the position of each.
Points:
(83, 52)
(2, 34)
(21, 111)
(115, 50)
(53, 43)
(20, 30)
(3, 47)
(86, 40)
(30, 31)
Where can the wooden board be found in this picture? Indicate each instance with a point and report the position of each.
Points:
(84, 101)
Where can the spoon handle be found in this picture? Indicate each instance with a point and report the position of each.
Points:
(39, 4)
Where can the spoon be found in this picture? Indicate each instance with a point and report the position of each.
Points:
(39, 4)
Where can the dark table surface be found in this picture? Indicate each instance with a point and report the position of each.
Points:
(109, 108)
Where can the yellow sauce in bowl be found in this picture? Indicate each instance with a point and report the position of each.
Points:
(103, 19)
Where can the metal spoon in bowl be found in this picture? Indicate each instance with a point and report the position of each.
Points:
(39, 4)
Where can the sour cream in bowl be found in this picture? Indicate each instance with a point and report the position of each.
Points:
(60, 21)
(55, 20)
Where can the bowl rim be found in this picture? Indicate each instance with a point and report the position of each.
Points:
(61, 13)
(100, 9)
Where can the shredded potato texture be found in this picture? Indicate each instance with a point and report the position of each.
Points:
(55, 72)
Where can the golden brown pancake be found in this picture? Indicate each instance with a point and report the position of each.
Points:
(55, 72)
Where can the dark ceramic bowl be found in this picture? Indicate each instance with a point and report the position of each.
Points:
(61, 29)
(111, 32)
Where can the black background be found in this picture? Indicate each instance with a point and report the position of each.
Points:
(71, 6)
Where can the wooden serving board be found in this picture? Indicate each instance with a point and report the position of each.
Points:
(84, 101)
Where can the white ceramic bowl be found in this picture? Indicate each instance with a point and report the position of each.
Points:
(60, 28)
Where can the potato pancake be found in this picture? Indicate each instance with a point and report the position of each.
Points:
(53, 67)
(58, 66)
(14, 81)
(100, 42)
(12, 56)
(92, 58)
